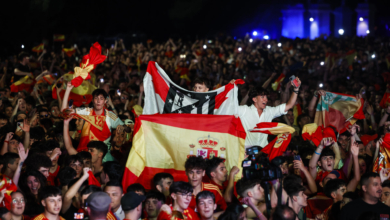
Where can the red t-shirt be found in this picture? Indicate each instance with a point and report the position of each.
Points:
(189, 213)
(219, 200)
(52, 176)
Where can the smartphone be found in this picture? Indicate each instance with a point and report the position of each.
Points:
(294, 80)
(102, 80)
(20, 124)
(79, 215)
(70, 103)
(118, 92)
(297, 157)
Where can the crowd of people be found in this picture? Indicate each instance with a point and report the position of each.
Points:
(45, 175)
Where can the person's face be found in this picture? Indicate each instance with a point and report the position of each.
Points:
(87, 163)
(362, 150)
(53, 204)
(166, 183)
(152, 207)
(14, 165)
(258, 192)
(98, 102)
(290, 116)
(302, 199)
(95, 154)
(206, 207)
(340, 193)
(344, 142)
(124, 98)
(373, 188)
(304, 121)
(284, 168)
(260, 101)
(330, 176)
(115, 194)
(3, 122)
(200, 88)
(18, 204)
(55, 111)
(220, 173)
(195, 176)
(8, 112)
(22, 105)
(362, 166)
(44, 171)
(385, 197)
(327, 163)
(79, 124)
(29, 107)
(127, 115)
(34, 184)
(182, 199)
(21, 117)
(13, 146)
(77, 166)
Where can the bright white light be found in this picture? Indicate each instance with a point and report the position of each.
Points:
(311, 19)
(250, 40)
(240, 49)
(269, 46)
(254, 33)
(279, 44)
(22, 46)
(265, 37)
(205, 46)
(373, 56)
(367, 31)
(322, 63)
(321, 85)
(361, 19)
(341, 31)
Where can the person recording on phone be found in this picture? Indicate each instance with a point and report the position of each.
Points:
(259, 112)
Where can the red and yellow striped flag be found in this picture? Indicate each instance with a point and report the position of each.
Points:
(315, 133)
(278, 82)
(38, 48)
(25, 83)
(383, 159)
(58, 37)
(297, 111)
(162, 143)
(69, 51)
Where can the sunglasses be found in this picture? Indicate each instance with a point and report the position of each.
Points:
(44, 116)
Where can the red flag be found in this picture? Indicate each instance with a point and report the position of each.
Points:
(276, 147)
(92, 180)
(385, 100)
(367, 138)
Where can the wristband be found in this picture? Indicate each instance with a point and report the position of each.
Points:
(6, 142)
(296, 92)
(317, 153)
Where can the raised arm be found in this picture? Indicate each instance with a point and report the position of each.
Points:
(351, 187)
(69, 87)
(8, 137)
(26, 129)
(312, 187)
(22, 157)
(67, 140)
(293, 98)
(316, 156)
(67, 200)
(228, 195)
(21, 73)
(266, 83)
(385, 116)
(337, 154)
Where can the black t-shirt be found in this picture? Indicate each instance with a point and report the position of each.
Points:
(69, 214)
(22, 68)
(354, 209)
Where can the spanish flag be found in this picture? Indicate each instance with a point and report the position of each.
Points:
(350, 57)
(80, 95)
(279, 145)
(49, 79)
(39, 48)
(7, 184)
(315, 133)
(297, 111)
(25, 83)
(58, 37)
(163, 142)
(338, 110)
(383, 159)
(69, 51)
(278, 82)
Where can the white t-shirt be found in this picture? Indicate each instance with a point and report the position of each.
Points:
(250, 118)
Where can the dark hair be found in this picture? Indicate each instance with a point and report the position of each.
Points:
(98, 92)
(23, 180)
(284, 212)
(294, 189)
(350, 195)
(195, 163)
(386, 183)
(327, 152)
(113, 169)
(84, 155)
(202, 81)
(90, 189)
(65, 175)
(365, 177)
(72, 159)
(37, 133)
(212, 165)
(345, 133)
(136, 187)
(232, 212)
(46, 122)
(8, 158)
(3, 117)
(30, 101)
(204, 195)
(49, 145)
(256, 91)
(115, 183)
(243, 185)
(36, 161)
(154, 194)
(17, 138)
(98, 145)
(23, 55)
(158, 178)
(291, 179)
(48, 191)
(332, 186)
(181, 187)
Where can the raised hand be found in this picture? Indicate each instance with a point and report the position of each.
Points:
(22, 153)
(9, 136)
(69, 86)
(326, 141)
(26, 126)
(298, 164)
(355, 149)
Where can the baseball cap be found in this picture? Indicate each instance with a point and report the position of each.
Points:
(98, 201)
(131, 200)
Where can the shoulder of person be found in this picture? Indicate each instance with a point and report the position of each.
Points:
(112, 115)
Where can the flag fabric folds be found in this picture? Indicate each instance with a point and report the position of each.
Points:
(69, 51)
(278, 82)
(383, 159)
(338, 110)
(38, 48)
(315, 133)
(385, 100)
(25, 83)
(163, 96)
(280, 143)
(58, 37)
(163, 142)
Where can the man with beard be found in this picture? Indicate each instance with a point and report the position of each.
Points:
(153, 202)
(372, 190)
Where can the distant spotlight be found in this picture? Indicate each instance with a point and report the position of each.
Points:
(373, 56)
(269, 46)
(239, 49)
(22, 46)
(321, 85)
(254, 33)
(205, 46)
(367, 31)
(279, 44)
(311, 19)
(361, 19)
(341, 31)
(250, 40)
(322, 63)
(265, 37)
